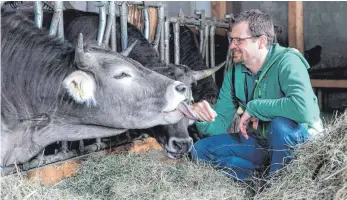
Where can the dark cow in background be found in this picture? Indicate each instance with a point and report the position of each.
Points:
(52, 92)
(175, 138)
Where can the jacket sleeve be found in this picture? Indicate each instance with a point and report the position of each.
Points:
(298, 94)
(225, 109)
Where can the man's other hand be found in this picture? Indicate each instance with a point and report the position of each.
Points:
(245, 119)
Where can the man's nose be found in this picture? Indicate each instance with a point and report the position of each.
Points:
(232, 45)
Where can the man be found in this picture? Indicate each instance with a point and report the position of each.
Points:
(270, 89)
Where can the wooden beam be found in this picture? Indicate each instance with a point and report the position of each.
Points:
(153, 20)
(295, 25)
(324, 83)
(218, 10)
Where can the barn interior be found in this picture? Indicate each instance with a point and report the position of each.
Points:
(314, 28)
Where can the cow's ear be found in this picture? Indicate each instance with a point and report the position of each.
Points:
(81, 86)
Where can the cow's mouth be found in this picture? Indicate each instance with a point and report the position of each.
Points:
(173, 155)
(184, 108)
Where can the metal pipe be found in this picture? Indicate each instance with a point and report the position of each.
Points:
(60, 33)
(152, 3)
(201, 40)
(111, 15)
(102, 23)
(206, 47)
(114, 28)
(197, 22)
(228, 61)
(177, 42)
(146, 23)
(167, 41)
(212, 48)
(81, 146)
(162, 45)
(64, 146)
(124, 25)
(159, 29)
(56, 17)
(38, 14)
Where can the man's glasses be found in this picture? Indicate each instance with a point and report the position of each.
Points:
(237, 40)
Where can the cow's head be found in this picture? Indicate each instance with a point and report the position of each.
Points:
(175, 137)
(120, 93)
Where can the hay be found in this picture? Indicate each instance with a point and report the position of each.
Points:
(318, 171)
(319, 168)
(129, 176)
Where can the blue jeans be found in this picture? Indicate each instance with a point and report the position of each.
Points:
(239, 157)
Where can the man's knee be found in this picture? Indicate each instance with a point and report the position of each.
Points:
(280, 127)
(199, 150)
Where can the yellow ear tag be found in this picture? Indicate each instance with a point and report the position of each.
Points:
(80, 92)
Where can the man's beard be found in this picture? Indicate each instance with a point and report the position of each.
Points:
(238, 58)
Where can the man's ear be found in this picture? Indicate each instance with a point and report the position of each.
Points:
(262, 42)
(81, 87)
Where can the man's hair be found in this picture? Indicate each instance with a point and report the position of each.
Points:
(259, 24)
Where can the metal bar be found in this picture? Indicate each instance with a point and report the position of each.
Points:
(145, 3)
(38, 14)
(206, 48)
(60, 33)
(228, 61)
(81, 146)
(64, 146)
(111, 15)
(98, 141)
(162, 45)
(55, 19)
(102, 23)
(124, 25)
(167, 41)
(201, 40)
(177, 42)
(212, 49)
(197, 22)
(146, 23)
(114, 28)
(160, 25)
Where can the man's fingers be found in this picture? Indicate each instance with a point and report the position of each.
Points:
(255, 122)
(244, 132)
(203, 117)
(208, 111)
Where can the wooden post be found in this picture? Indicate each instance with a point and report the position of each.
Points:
(153, 20)
(295, 25)
(218, 10)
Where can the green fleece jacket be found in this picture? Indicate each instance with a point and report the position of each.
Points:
(283, 90)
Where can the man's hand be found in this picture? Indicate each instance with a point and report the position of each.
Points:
(245, 119)
(203, 111)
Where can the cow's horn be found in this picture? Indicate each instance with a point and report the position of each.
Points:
(80, 57)
(198, 75)
(127, 51)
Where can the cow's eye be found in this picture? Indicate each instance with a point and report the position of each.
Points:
(121, 75)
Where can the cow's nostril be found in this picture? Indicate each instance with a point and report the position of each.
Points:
(178, 145)
(181, 88)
